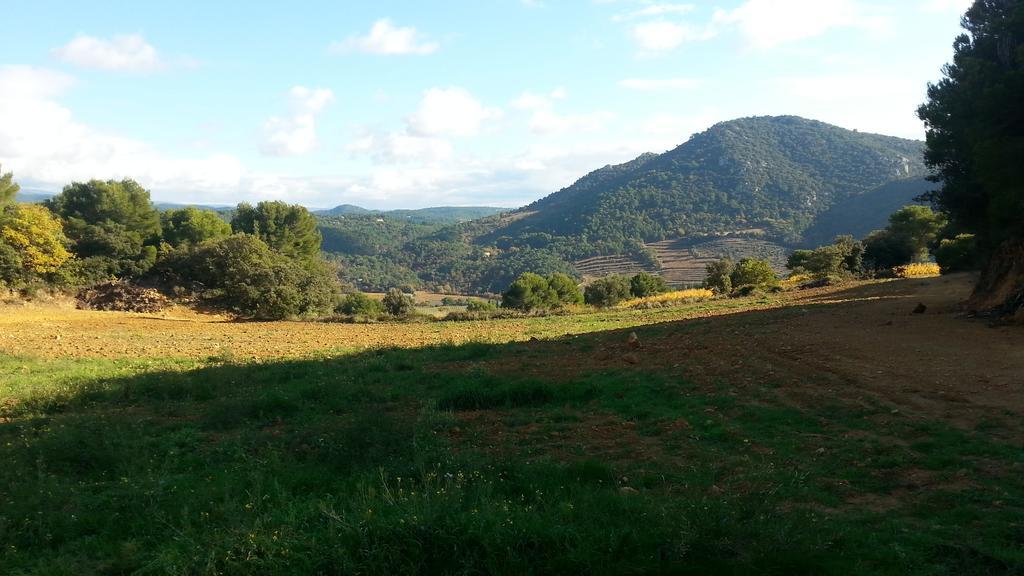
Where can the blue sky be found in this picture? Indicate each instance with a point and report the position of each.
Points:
(411, 104)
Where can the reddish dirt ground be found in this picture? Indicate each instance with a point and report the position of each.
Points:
(863, 344)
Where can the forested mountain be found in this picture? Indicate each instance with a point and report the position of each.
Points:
(775, 180)
(861, 214)
(437, 215)
(776, 174)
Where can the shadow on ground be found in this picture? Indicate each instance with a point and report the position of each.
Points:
(559, 456)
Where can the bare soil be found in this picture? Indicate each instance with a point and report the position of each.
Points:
(861, 344)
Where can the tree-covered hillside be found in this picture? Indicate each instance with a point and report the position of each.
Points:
(861, 214)
(436, 215)
(772, 173)
(775, 179)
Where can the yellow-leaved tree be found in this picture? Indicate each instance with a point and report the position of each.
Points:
(35, 236)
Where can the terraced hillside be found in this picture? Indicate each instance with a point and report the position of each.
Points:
(683, 260)
(598, 266)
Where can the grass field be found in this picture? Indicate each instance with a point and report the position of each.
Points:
(575, 454)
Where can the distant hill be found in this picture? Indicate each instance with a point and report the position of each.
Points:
(751, 186)
(861, 214)
(774, 174)
(32, 196)
(438, 215)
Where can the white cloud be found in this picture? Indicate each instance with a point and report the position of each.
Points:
(129, 52)
(663, 36)
(387, 39)
(663, 131)
(546, 121)
(769, 23)
(533, 101)
(400, 148)
(295, 135)
(449, 112)
(878, 103)
(655, 84)
(657, 9)
(42, 142)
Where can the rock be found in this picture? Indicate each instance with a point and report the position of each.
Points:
(628, 490)
(633, 341)
(920, 308)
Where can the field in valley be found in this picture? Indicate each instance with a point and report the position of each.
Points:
(828, 431)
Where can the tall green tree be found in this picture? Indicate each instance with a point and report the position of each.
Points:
(8, 188)
(191, 226)
(287, 228)
(644, 284)
(566, 290)
(975, 141)
(529, 292)
(112, 224)
(919, 227)
(608, 291)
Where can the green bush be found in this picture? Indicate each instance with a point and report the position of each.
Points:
(884, 250)
(958, 254)
(607, 291)
(644, 284)
(243, 274)
(718, 276)
(565, 288)
(192, 226)
(398, 303)
(112, 226)
(529, 292)
(359, 304)
(481, 306)
(287, 228)
(753, 272)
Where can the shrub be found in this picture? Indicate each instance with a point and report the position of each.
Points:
(644, 284)
(753, 272)
(607, 291)
(666, 299)
(359, 304)
(842, 258)
(958, 254)
(481, 306)
(565, 288)
(884, 250)
(718, 276)
(398, 303)
(287, 228)
(916, 270)
(243, 274)
(192, 226)
(530, 291)
(113, 226)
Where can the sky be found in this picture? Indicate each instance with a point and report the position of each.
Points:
(414, 104)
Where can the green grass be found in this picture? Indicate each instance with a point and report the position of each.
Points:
(391, 462)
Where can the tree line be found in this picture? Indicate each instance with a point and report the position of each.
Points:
(263, 263)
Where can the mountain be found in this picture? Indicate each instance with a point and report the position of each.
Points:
(861, 214)
(437, 215)
(32, 196)
(775, 175)
(756, 186)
